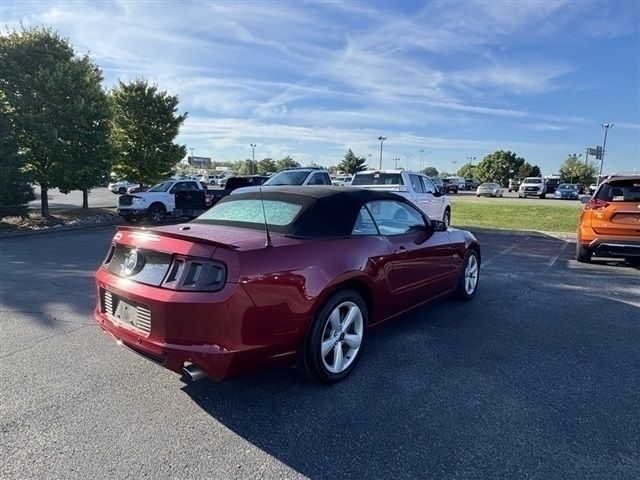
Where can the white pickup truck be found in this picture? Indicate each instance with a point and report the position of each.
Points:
(156, 203)
(414, 186)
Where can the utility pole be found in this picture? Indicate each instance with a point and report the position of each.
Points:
(586, 157)
(382, 139)
(606, 127)
(253, 158)
(421, 155)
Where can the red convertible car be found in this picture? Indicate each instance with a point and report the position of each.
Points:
(291, 274)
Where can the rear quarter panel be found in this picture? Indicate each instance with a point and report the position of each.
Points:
(303, 274)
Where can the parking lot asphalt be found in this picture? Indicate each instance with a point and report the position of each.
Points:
(537, 377)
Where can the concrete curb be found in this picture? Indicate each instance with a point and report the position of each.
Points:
(67, 228)
(565, 236)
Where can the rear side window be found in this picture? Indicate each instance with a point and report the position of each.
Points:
(364, 224)
(377, 178)
(427, 186)
(416, 184)
(620, 191)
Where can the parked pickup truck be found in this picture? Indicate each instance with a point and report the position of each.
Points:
(156, 203)
(191, 204)
(416, 187)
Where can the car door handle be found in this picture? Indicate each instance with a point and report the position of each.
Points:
(401, 252)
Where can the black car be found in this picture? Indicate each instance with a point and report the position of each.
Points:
(449, 186)
(552, 184)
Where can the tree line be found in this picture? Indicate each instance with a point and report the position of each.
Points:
(61, 129)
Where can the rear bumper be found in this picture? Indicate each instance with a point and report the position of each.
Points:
(615, 247)
(220, 332)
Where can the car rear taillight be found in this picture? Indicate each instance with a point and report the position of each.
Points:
(596, 204)
(195, 275)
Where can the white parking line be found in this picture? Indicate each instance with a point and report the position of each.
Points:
(553, 260)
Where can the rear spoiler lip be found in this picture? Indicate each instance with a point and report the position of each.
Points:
(177, 236)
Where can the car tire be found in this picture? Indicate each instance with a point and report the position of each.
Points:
(542, 195)
(633, 261)
(583, 254)
(156, 213)
(469, 276)
(446, 218)
(122, 191)
(326, 356)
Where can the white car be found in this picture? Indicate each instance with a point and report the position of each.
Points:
(532, 187)
(414, 186)
(156, 203)
(489, 189)
(293, 177)
(342, 180)
(120, 188)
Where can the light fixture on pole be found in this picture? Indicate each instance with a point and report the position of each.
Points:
(253, 157)
(396, 160)
(382, 139)
(606, 127)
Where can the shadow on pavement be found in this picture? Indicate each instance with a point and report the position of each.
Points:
(507, 386)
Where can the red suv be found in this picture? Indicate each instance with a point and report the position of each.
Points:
(610, 222)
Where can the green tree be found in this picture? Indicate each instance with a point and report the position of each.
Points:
(54, 101)
(351, 163)
(468, 170)
(528, 170)
(499, 166)
(285, 163)
(575, 171)
(145, 125)
(15, 191)
(266, 165)
(430, 172)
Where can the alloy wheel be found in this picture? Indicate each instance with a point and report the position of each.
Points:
(342, 337)
(471, 275)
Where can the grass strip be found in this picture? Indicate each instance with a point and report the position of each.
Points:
(516, 216)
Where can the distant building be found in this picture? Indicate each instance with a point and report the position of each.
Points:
(199, 162)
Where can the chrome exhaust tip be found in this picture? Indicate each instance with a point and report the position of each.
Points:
(193, 372)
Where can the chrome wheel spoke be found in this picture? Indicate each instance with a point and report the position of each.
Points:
(334, 319)
(338, 357)
(351, 316)
(327, 346)
(352, 340)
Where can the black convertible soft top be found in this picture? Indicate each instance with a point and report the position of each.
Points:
(327, 211)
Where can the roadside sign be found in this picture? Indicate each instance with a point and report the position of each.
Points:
(599, 153)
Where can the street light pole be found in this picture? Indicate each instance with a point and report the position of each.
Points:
(253, 158)
(606, 127)
(382, 139)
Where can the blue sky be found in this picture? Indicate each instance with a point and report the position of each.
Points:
(311, 79)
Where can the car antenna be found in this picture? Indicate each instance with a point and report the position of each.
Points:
(268, 243)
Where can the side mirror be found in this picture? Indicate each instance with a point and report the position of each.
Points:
(438, 226)
(585, 199)
(172, 191)
(437, 193)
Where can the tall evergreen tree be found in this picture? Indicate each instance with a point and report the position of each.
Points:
(144, 126)
(351, 163)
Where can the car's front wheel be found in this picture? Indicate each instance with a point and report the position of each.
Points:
(122, 191)
(446, 218)
(334, 344)
(468, 283)
(156, 213)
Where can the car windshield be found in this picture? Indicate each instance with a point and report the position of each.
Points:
(250, 211)
(161, 187)
(489, 185)
(377, 178)
(567, 186)
(626, 190)
(532, 180)
(289, 177)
